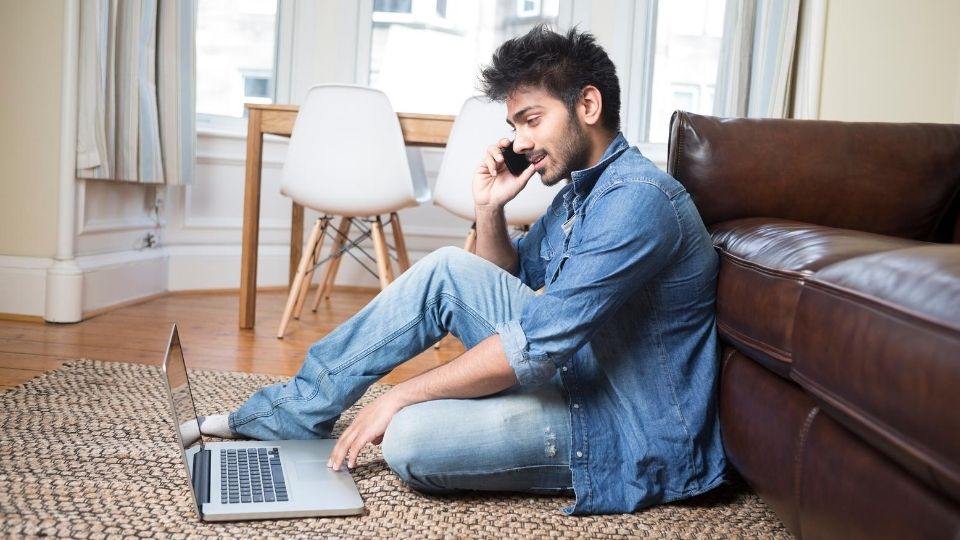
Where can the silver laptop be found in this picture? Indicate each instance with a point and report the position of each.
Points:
(238, 480)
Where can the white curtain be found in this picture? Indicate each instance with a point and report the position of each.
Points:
(757, 58)
(136, 91)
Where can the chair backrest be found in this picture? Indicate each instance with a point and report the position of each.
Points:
(480, 124)
(346, 154)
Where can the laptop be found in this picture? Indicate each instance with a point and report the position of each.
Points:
(241, 480)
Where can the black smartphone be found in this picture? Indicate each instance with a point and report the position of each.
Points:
(516, 163)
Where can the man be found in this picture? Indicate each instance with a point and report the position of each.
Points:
(603, 383)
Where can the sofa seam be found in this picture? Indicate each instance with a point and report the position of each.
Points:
(786, 358)
(798, 456)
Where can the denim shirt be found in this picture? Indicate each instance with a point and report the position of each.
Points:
(627, 317)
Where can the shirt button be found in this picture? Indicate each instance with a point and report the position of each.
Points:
(579, 453)
(564, 368)
(576, 405)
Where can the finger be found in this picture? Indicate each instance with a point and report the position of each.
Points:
(492, 165)
(496, 152)
(504, 142)
(341, 448)
(352, 456)
(527, 173)
(355, 449)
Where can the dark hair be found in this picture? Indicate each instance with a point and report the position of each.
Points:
(562, 65)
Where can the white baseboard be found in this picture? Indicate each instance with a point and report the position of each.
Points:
(107, 280)
(23, 284)
(117, 278)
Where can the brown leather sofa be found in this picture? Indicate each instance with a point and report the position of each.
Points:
(839, 310)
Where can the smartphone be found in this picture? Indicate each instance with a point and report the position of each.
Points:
(516, 163)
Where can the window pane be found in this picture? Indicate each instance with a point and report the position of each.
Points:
(685, 64)
(236, 43)
(427, 59)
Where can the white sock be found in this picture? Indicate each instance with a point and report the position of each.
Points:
(189, 432)
(217, 425)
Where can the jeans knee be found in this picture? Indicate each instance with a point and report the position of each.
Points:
(446, 258)
(404, 451)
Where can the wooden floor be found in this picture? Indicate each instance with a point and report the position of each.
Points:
(209, 332)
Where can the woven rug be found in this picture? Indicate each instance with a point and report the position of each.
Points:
(87, 451)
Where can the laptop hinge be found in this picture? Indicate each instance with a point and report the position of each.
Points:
(201, 477)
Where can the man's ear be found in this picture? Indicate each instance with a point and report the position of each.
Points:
(590, 106)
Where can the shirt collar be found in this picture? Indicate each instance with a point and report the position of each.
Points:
(584, 180)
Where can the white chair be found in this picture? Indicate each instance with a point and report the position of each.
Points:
(347, 158)
(480, 124)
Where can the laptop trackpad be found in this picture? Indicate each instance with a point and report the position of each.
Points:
(315, 473)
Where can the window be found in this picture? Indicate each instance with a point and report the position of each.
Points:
(425, 54)
(236, 50)
(685, 60)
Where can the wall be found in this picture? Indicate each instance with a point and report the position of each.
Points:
(889, 60)
(31, 40)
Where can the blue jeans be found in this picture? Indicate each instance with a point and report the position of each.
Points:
(517, 440)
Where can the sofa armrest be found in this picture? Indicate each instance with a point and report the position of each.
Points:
(894, 179)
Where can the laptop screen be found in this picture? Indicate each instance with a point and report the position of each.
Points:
(181, 402)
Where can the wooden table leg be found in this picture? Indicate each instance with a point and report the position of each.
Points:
(251, 222)
(296, 241)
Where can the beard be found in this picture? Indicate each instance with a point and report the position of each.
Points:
(571, 154)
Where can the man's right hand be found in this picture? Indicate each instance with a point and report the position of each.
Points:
(493, 184)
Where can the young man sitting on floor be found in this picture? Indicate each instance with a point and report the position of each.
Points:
(604, 384)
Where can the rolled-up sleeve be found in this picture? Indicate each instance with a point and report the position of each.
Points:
(631, 233)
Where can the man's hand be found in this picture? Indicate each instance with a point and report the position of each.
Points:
(367, 428)
(493, 184)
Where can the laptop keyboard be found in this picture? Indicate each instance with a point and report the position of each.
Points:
(251, 475)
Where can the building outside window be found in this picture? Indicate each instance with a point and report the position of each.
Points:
(236, 51)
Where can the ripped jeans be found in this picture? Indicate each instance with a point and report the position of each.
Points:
(516, 440)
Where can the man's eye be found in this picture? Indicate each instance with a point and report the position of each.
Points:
(533, 120)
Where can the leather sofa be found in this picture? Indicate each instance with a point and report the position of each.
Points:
(839, 311)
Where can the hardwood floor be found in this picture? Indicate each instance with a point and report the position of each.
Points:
(209, 332)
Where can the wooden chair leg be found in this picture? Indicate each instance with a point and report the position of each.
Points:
(311, 266)
(385, 269)
(403, 258)
(326, 285)
(471, 244)
(298, 279)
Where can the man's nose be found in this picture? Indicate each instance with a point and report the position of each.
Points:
(522, 144)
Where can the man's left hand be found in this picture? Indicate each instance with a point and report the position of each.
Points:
(367, 428)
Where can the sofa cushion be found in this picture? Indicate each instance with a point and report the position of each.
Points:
(763, 265)
(881, 353)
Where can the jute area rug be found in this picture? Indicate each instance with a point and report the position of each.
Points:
(87, 451)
